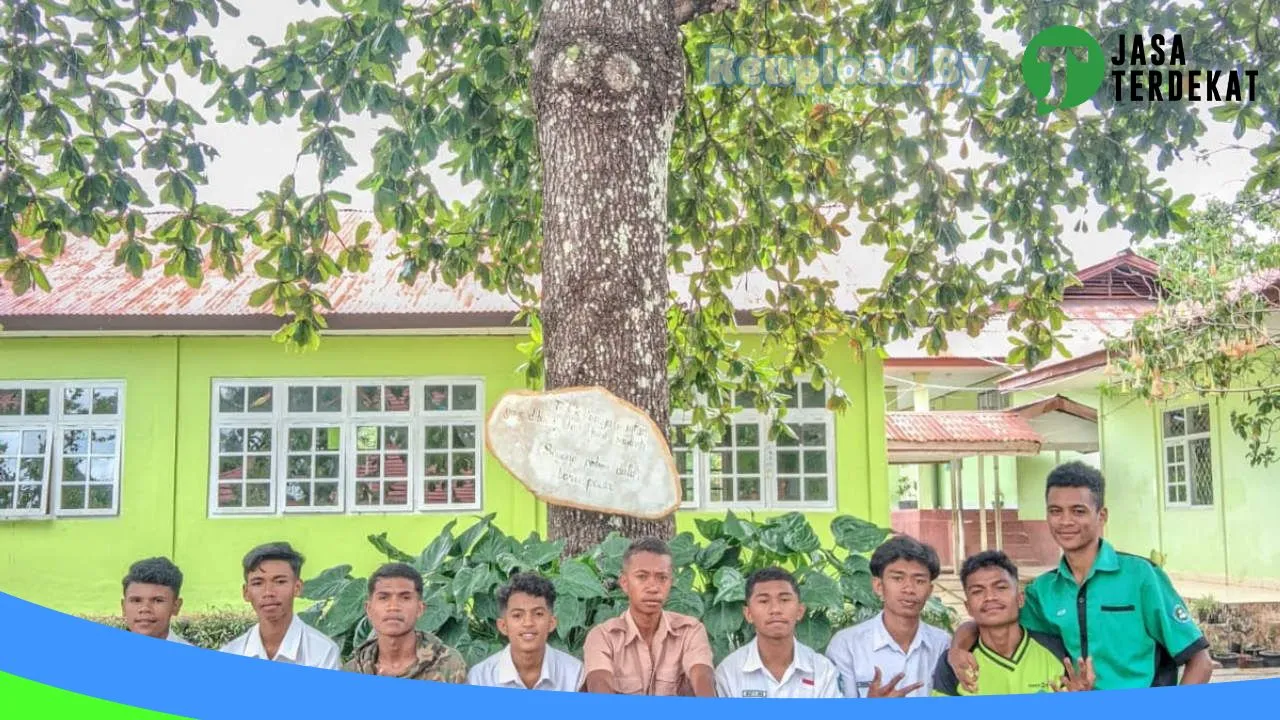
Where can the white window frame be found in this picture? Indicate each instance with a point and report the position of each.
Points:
(1184, 441)
(416, 418)
(768, 461)
(55, 424)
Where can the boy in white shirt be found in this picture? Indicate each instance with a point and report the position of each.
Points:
(271, 584)
(526, 617)
(774, 664)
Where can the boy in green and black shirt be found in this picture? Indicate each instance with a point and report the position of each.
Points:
(1012, 660)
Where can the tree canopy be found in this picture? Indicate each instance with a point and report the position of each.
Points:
(760, 179)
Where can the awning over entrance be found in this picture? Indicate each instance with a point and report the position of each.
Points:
(1053, 424)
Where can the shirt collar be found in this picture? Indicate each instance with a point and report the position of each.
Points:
(509, 675)
(1106, 561)
(290, 646)
(884, 640)
(800, 660)
(633, 632)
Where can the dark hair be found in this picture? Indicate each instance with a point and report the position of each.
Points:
(1076, 474)
(273, 551)
(771, 574)
(397, 570)
(645, 545)
(154, 571)
(904, 547)
(987, 559)
(530, 584)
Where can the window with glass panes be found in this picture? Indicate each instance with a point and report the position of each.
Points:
(60, 447)
(747, 469)
(1188, 457)
(367, 445)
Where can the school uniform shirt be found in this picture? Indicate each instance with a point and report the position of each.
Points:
(560, 671)
(1125, 616)
(679, 645)
(810, 675)
(302, 645)
(1035, 666)
(859, 650)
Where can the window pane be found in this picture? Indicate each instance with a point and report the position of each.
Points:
(686, 488)
(30, 497)
(10, 402)
(789, 393)
(815, 489)
(717, 488)
(1175, 423)
(10, 442)
(369, 437)
(299, 467)
(329, 438)
(464, 491)
(464, 397)
(326, 494)
(329, 399)
(259, 440)
(231, 399)
(33, 442)
(789, 489)
(100, 497)
(104, 442)
(1198, 419)
(368, 466)
(75, 401)
(231, 440)
(8, 471)
(260, 467)
(788, 462)
(815, 462)
(102, 470)
(260, 401)
(464, 464)
(7, 497)
(73, 497)
(299, 439)
(747, 434)
(397, 493)
(368, 398)
(745, 399)
(297, 494)
(749, 488)
(437, 437)
(464, 436)
(748, 462)
(397, 438)
(106, 401)
(1169, 455)
(785, 440)
(368, 493)
(75, 442)
(31, 470)
(397, 398)
(437, 464)
(436, 492)
(37, 402)
(327, 466)
(813, 434)
(811, 398)
(396, 466)
(230, 468)
(1201, 472)
(302, 399)
(230, 495)
(257, 495)
(75, 470)
(437, 398)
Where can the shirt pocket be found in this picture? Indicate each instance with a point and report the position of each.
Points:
(628, 684)
(668, 682)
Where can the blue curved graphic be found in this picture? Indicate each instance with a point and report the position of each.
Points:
(96, 661)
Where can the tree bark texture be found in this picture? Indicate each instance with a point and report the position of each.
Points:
(608, 80)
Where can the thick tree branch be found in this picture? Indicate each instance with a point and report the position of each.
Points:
(688, 10)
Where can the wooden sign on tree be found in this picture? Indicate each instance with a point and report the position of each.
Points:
(584, 447)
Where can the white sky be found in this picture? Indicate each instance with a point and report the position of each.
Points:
(256, 157)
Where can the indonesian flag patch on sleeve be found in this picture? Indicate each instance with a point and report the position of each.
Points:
(806, 681)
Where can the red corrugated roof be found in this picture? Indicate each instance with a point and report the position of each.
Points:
(958, 428)
(91, 292)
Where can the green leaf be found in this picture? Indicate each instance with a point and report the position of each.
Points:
(712, 554)
(857, 535)
(434, 554)
(802, 539)
(468, 538)
(710, 529)
(730, 585)
(439, 610)
(819, 590)
(684, 550)
(571, 614)
(741, 530)
(578, 580)
(724, 619)
(814, 631)
(326, 583)
(857, 589)
(538, 553)
(392, 552)
(345, 611)
(686, 602)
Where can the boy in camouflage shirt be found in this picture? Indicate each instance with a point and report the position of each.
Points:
(397, 649)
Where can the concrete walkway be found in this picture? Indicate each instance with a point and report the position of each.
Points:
(1222, 675)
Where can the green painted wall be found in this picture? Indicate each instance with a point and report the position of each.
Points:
(75, 565)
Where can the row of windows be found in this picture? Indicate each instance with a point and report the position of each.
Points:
(351, 446)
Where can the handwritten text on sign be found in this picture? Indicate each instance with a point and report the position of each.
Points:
(585, 448)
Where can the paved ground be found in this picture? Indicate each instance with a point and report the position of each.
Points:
(1236, 674)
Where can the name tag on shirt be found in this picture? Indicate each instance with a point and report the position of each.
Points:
(754, 693)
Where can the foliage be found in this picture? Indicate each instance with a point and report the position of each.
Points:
(210, 630)
(462, 575)
(762, 180)
(1214, 331)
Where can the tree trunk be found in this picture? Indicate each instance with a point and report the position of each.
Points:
(607, 83)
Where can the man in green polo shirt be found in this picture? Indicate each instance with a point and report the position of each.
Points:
(1118, 610)
(1012, 659)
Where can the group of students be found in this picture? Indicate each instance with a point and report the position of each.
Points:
(1101, 620)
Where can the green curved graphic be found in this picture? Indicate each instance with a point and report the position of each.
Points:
(28, 699)
(1082, 78)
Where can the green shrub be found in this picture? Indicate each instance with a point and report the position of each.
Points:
(209, 630)
(462, 575)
